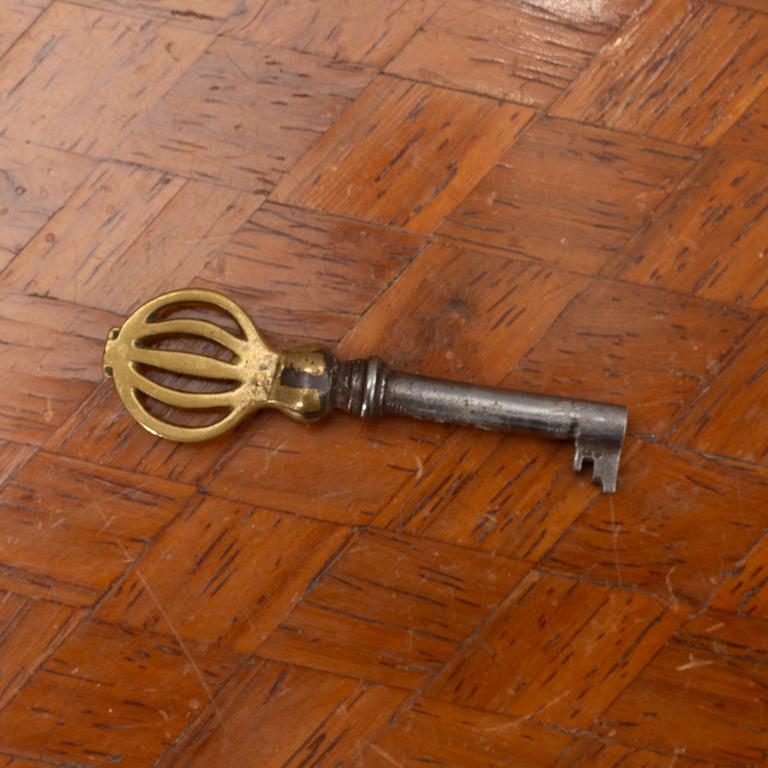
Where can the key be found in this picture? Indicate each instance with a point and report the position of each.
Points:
(308, 382)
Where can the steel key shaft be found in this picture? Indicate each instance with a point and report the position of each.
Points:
(367, 388)
(308, 382)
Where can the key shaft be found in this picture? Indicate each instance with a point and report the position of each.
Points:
(367, 388)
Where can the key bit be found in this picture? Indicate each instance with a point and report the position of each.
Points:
(308, 382)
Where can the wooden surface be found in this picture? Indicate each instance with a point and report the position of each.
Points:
(566, 196)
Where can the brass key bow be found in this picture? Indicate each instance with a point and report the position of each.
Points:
(308, 382)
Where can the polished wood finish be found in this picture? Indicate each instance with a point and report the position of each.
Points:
(558, 195)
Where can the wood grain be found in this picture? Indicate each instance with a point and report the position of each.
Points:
(133, 697)
(527, 53)
(56, 347)
(433, 732)
(257, 576)
(588, 752)
(749, 133)
(489, 307)
(745, 591)
(343, 30)
(102, 432)
(30, 630)
(12, 761)
(324, 272)
(687, 72)
(491, 493)
(243, 114)
(581, 647)
(701, 678)
(18, 15)
(564, 197)
(427, 598)
(697, 246)
(568, 194)
(34, 184)
(69, 539)
(330, 716)
(80, 78)
(714, 424)
(661, 347)
(277, 453)
(194, 14)
(411, 125)
(118, 202)
(659, 535)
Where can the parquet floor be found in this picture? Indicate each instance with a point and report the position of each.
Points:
(566, 196)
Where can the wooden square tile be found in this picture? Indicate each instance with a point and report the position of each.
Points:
(683, 72)
(287, 717)
(569, 194)
(557, 651)
(12, 456)
(649, 349)
(393, 609)
(223, 573)
(656, 533)
(750, 134)
(703, 694)
(107, 696)
(725, 425)
(708, 238)
(324, 470)
(435, 733)
(52, 354)
(18, 15)
(507, 495)
(745, 591)
(6, 257)
(173, 248)
(283, 326)
(68, 538)
(528, 53)
(243, 114)
(35, 182)
(405, 154)
(343, 30)
(483, 313)
(79, 254)
(29, 631)
(322, 271)
(80, 77)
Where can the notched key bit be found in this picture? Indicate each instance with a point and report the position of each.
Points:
(306, 383)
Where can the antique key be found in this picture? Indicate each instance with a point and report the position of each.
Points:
(308, 382)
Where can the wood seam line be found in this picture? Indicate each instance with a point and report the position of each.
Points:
(434, 238)
(12, 474)
(131, 12)
(609, 41)
(420, 28)
(731, 354)
(613, 267)
(26, 30)
(87, 613)
(42, 760)
(178, 743)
